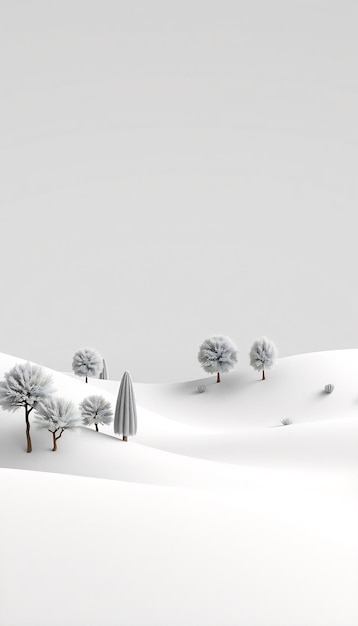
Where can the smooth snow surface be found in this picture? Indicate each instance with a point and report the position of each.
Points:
(212, 515)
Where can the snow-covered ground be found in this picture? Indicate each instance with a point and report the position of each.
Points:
(213, 515)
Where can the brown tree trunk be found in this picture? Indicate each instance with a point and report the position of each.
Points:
(28, 438)
(218, 377)
(263, 375)
(125, 438)
(55, 438)
(96, 425)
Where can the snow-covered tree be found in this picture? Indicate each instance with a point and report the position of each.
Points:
(217, 354)
(87, 362)
(263, 355)
(96, 410)
(104, 373)
(57, 415)
(25, 385)
(125, 415)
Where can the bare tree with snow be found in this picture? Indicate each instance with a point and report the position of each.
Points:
(96, 410)
(217, 354)
(263, 355)
(57, 415)
(25, 385)
(88, 363)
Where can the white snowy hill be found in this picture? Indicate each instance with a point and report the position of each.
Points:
(213, 515)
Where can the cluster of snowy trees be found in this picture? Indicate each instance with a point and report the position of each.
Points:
(28, 386)
(218, 354)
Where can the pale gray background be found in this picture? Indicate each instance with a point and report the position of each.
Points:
(171, 170)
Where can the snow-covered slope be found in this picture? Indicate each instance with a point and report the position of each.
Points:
(294, 389)
(208, 518)
(86, 552)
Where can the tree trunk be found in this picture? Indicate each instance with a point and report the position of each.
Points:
(263, 375)
(218, 377)
(86, 379)
(125, 438)
(28, 438)
(96, 425)
(54, 442)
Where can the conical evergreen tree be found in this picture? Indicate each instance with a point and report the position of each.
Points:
(125, 415)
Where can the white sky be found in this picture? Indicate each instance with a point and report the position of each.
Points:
(175, 170)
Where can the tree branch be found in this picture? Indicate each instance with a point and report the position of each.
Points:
(62, 429)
